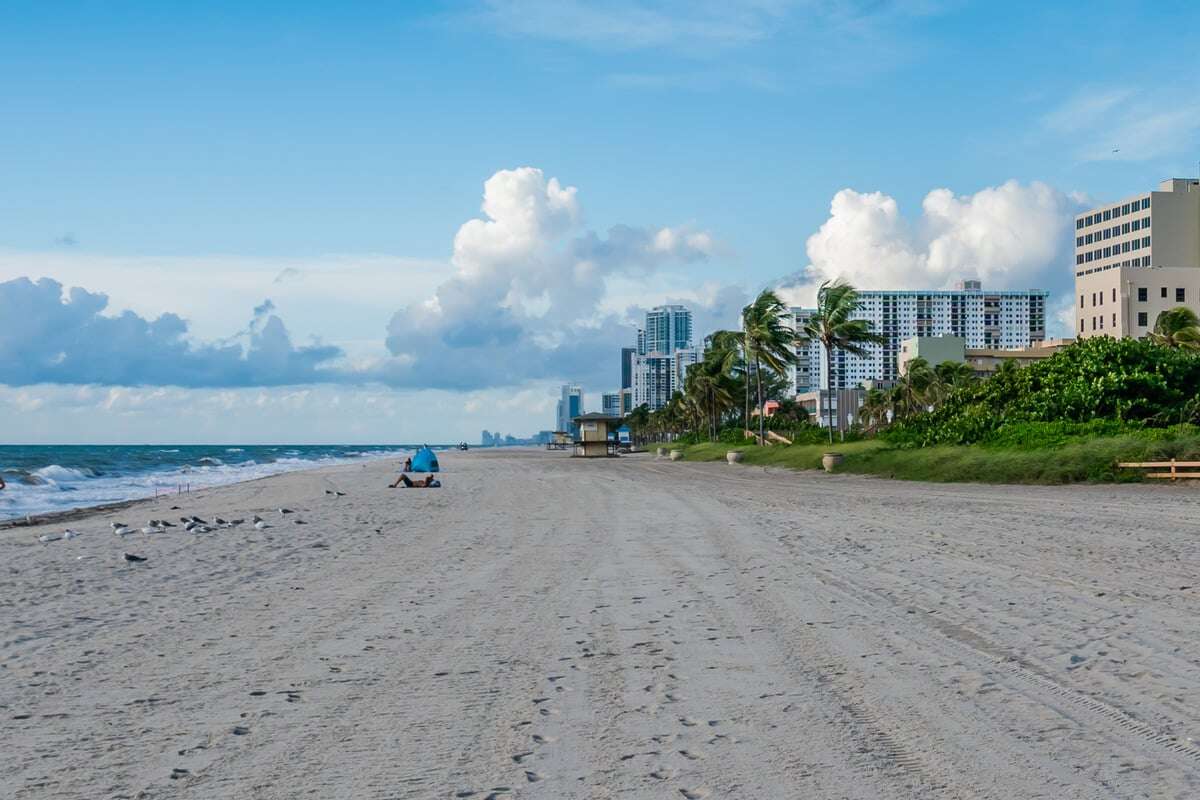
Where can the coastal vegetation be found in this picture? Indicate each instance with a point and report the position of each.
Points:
(1067, 418)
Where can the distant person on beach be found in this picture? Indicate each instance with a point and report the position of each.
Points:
(429, 482)
(2, 483)
(408, 464)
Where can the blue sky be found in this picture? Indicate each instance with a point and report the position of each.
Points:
(182, 158)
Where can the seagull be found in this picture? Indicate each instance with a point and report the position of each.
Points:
(260, 523)
(47, 538)
(131, 558)
(162, 523)
(300, 522)
(149, 530)
(185, 520)
(286, 511)
(219, 521)
(124, 530)
(197, 519)
(233, 523)
(328, 491)
(340, 494)
(69, 534)
(116, 525)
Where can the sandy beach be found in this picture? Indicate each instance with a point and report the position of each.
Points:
(545, 627)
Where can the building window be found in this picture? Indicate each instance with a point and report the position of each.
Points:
(1079, 223)
(1101, 298)
(1093, 323)
(1162, 292)
(1136, 244)
(1101, 322)
(1081, 301)
(1143, 294)
(1145, 203)
(1087, 239)
(1114, 294)
(1107, 233)
(1125, 228)
(1107, 252)
(1107, 215)
(1145, 223)
(1146, 261)
(1143, 320)
(1081, 326)
(1178, 295)
(1145, 241)
(1079, 241)
(1124, 247)
(1125, 208)
(1114, 320)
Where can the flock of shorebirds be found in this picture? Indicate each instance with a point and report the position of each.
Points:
(192, 524)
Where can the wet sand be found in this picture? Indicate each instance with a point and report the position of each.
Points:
(546, 627)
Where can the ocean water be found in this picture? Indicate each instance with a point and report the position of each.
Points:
(43, 478)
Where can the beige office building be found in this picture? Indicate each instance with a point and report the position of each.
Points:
(1137, 258)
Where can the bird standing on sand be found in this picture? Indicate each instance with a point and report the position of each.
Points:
(69, 534)
(260, 523)
(116, 525)
(124, 530)
(131, 558)
(286, 511)
(47, 538)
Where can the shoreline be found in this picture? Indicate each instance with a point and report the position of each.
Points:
(82, 512)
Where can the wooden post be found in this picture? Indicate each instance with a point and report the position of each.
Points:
(1172, 468)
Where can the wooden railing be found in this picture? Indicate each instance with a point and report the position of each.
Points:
(1174, 466)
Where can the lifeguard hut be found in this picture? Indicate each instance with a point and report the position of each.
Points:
(594, 440)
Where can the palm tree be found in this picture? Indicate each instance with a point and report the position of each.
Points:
(832, 326)
(951, 375)
(873, 412)
(1177, 327)
(767, 342)
(917, 388)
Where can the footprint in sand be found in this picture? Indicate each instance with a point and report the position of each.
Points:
(694, 794)
(688, 722)
(662, 774)
(533, 777)
(691, 755)
(520, 757)
(539, 739)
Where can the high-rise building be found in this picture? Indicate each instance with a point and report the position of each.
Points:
(664, 351)
(1006, 320)
(627, 356)
(610, 404)
(668, 328)
(570, 406)
(1128, 271)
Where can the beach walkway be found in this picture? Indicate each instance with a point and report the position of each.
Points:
(544, 627)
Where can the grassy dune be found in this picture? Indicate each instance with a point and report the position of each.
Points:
(1089, 459)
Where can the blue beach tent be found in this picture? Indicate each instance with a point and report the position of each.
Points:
(425, 461)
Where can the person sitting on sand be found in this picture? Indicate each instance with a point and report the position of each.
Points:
(429, 482)
(408, 464)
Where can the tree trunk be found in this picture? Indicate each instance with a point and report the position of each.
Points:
(761, 413)
(746, 381)
(829, 386)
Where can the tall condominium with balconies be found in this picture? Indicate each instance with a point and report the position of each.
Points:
(1007, 320)
(664, 351)
(1137, 258)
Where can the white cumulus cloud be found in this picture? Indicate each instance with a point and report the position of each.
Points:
(1012, 236)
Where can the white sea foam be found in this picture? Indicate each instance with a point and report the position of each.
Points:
(57, 488)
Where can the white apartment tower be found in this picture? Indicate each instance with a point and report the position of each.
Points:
(1006, 320)
(1137, 258)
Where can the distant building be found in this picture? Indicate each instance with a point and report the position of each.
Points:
(627, 401)
(659, 365)
(1005, 320)
(983, 360)
(610, 404)
(570, 405)
(1125, 273)
(627, 356)
(668, 328)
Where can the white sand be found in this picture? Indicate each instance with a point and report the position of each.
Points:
(545, 627)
